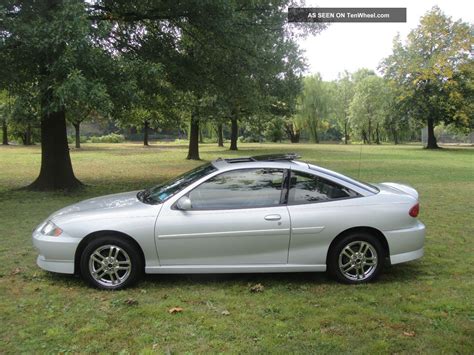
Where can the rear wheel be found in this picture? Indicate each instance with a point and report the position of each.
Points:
(356, 258)
(111, 263)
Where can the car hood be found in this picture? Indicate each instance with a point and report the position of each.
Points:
(120, 201)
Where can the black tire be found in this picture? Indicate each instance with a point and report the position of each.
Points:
(357, 265)
(128, 263)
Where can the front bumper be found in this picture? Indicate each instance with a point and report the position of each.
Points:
(56, 254)
(406, 244)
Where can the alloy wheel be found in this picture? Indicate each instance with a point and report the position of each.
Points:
(358, 260)
(110, 265)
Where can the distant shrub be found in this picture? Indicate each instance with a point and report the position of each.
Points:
(72, 139)
(250, 139)
(109, 138)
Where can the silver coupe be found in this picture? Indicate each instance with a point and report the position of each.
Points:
(259, 214)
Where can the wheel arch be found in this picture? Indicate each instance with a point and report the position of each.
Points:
(361, 229)
(110, 233)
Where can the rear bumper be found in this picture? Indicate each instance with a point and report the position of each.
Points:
(56, 254)
(406, 244)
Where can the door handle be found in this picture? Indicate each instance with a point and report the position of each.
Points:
(273, 217)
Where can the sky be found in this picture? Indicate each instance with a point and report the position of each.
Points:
(350, 46)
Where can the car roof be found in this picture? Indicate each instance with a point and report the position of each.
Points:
(269, 160)
(265, 157)
(288, 161)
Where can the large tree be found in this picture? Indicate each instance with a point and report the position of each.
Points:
(367, 108)
(52, 46)
(314, 105)
(344, 92)
(154, 101)
(202, 45)
(85, 99)
(427, 66)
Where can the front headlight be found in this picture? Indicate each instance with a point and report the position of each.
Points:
(50, 229)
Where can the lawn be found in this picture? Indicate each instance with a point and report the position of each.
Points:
(422, 306)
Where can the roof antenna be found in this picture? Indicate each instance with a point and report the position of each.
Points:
(360, 158)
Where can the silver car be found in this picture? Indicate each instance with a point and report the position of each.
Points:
(260, 214)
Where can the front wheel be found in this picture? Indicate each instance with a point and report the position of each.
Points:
(111, 263)
(356, 258)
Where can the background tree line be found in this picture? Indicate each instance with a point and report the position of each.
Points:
(213, 70)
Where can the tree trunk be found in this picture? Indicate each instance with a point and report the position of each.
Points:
(193, 151)
(145, 134)
(292, 134)
(364, 137)
(346, 132)
(395, 136)
(201, 139)
(369, 133)
(234, 133)
(220, 135)
(295, 137)
(77, 128)
(432, 144)
(316, 136)
(28, 135)
(377, 134)
(56, 169)
(5, 132)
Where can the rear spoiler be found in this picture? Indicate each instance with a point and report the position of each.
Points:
(402, 188)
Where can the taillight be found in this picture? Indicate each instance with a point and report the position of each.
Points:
(414, 210)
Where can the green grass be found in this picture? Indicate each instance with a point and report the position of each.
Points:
(423, 306)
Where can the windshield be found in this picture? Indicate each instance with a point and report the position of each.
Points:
(161, 193)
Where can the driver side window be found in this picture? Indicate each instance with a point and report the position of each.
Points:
(244, 188)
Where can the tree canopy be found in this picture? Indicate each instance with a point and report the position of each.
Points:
(428, 68)
(83, 56)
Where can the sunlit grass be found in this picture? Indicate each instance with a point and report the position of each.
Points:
(423, 306)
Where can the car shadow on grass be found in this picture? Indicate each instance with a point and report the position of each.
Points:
(250, 278)
(398, 273)
(406, 273)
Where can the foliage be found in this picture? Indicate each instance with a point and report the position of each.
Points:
(86, 99)
(29, 40)
(368, 107)
(428, 66)
(83, 139)
(109, 138)
(343, 94)
(275, 129)
(314, 105)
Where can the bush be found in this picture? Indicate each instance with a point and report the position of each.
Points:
(72, 139)
(253, 138)
(109, 138)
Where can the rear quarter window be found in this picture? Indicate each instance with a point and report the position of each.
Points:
(308, 188)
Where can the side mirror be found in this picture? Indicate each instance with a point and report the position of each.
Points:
(184, 203)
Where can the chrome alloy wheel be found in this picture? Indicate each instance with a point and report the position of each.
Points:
(110, 265)
(358, 260)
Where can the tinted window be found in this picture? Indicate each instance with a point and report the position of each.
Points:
(307, 188)
(244, 188)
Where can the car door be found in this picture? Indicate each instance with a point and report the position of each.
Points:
(318, 209)
(237, 218)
